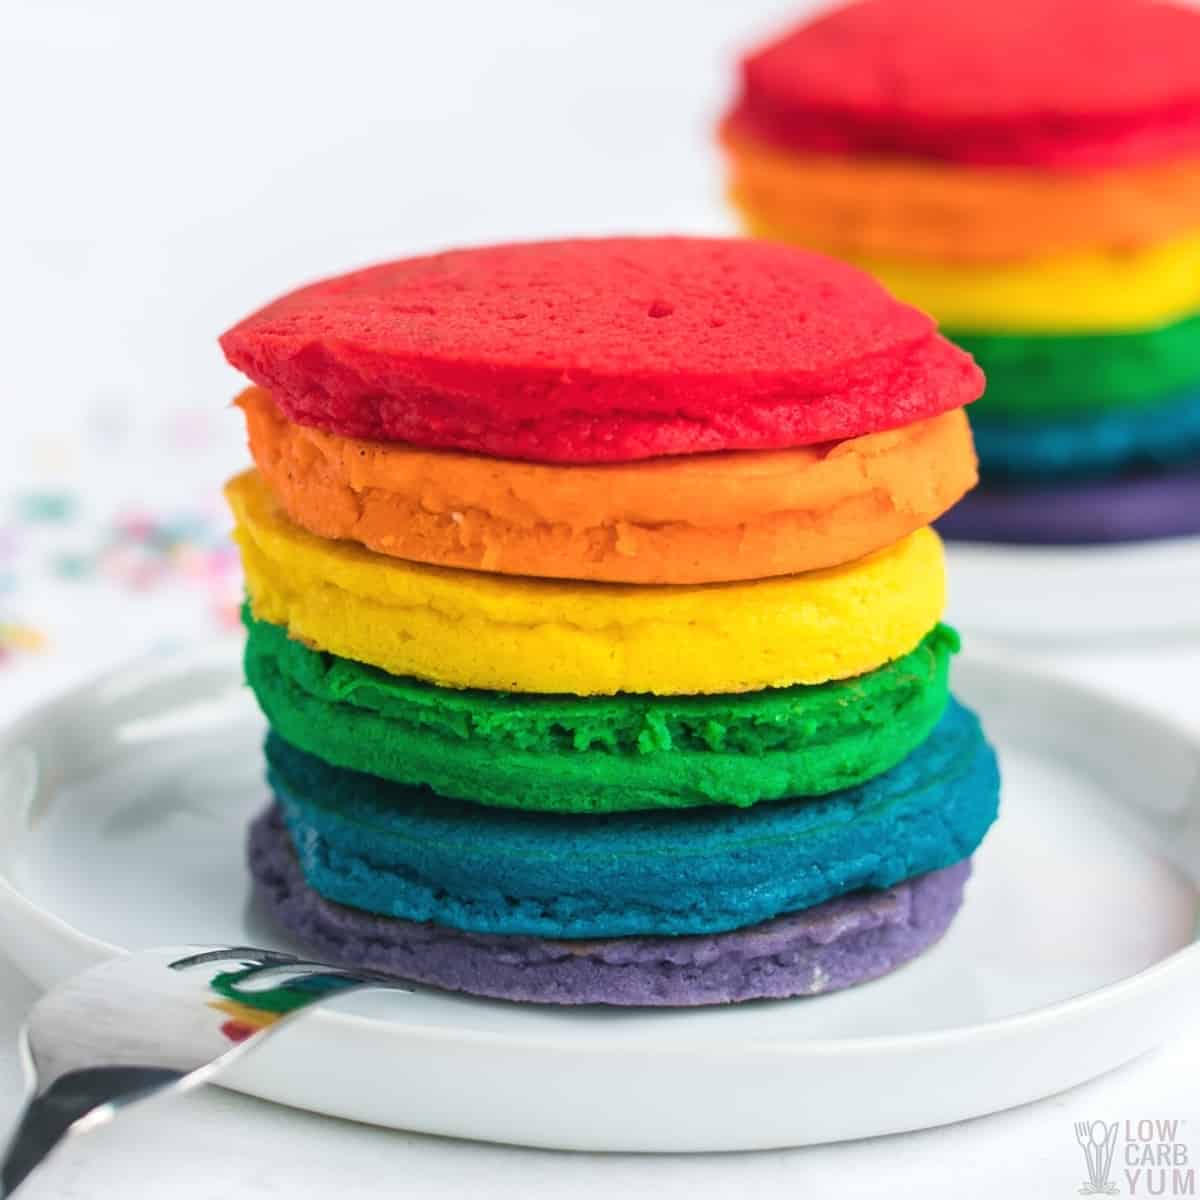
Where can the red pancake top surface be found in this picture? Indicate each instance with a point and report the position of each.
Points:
(603, 350)
(1057, 83)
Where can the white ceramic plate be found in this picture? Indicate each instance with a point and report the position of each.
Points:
(1040, 593)
(121, 815)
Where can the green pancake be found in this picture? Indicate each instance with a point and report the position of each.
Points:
(1032, 377)
(602, 753)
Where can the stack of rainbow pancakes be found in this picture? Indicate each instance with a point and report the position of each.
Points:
(1028, 172)
(595, 614)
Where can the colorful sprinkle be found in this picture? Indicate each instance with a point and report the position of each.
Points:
(70, 566)
(18, 639)
(47, 507)
(141, 552)
(55, 454)
(21, 637)
(108, 423)
(192, 429)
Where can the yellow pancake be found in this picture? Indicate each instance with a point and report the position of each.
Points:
(465, 629)
(1092, 291)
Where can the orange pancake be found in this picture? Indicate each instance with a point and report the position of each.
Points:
(908, 208)
(701, 518)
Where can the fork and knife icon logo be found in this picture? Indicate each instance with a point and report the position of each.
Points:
(1098, 1141)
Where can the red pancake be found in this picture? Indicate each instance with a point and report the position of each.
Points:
(606, 350)
(1056, 83)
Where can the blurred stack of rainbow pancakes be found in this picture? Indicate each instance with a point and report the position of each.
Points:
(1029, 174)
(595, 614)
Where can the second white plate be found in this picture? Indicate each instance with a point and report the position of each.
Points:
(122, 813)
(1052, 594)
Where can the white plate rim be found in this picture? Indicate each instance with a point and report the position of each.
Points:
(1066, 575)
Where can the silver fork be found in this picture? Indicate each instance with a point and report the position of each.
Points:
(151, 1024)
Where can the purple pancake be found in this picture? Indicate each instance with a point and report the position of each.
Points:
(834, 945)
(1130, 508)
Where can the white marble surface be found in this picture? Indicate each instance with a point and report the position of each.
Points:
(166, 168)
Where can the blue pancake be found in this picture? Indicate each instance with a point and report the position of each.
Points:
(833, 945)
(1102, 443)
(405, 852)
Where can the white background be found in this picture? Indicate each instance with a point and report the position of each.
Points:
(164, 169)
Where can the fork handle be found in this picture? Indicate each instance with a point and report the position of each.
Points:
(48, 1117)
